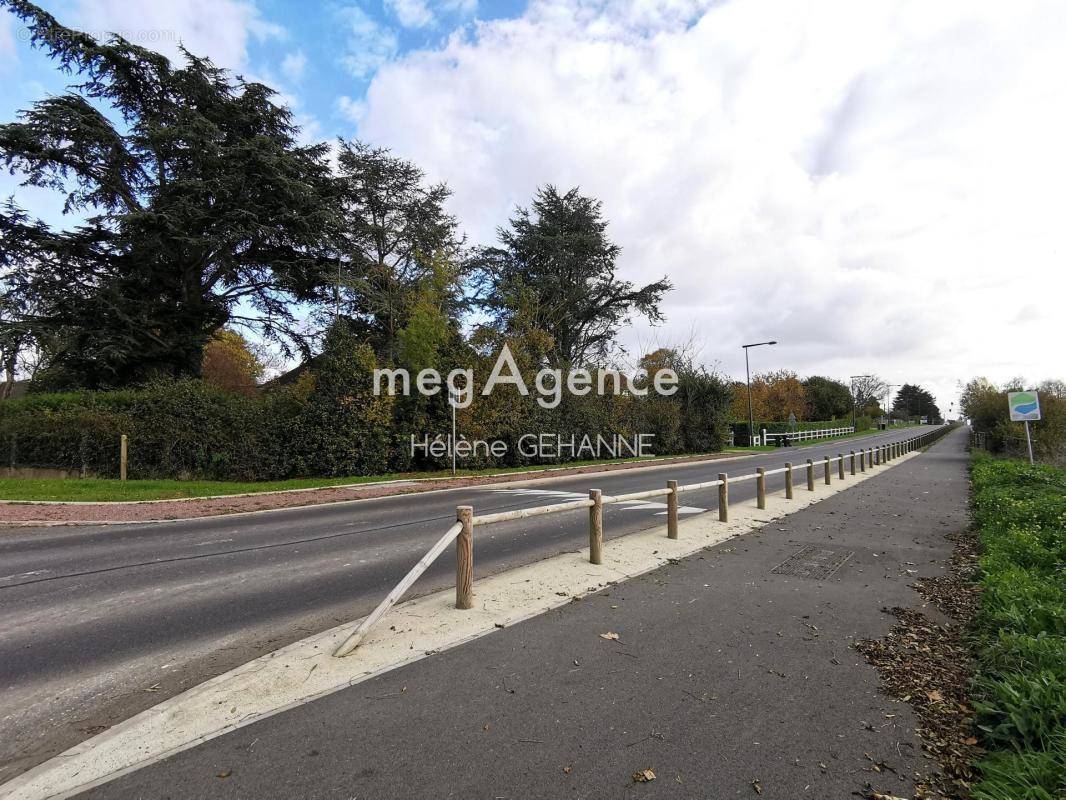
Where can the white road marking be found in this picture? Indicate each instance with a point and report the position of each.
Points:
(628, 505)
(25, 574)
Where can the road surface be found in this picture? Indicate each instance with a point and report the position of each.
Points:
(98, 623)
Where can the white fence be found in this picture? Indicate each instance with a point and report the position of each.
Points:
(804, 436)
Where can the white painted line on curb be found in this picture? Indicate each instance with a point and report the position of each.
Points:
(306, 670)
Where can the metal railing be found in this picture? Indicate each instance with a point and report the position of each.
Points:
(462, 531)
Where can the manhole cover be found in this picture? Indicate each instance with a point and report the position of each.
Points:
(813, 562)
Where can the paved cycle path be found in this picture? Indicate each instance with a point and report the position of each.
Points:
(732, 675)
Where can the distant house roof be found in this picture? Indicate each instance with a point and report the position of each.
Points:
(290, 377)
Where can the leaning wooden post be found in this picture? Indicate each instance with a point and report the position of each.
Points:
(596, 527)
(671, 510)
(760, 487)
(827, 470)
(723, 497)
(810, 475)
(840, 466)
(788, 480)
(464, 558)
(123, 456)
(852, 462)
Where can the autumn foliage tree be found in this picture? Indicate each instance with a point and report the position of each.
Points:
(229, 363)
(774, 396)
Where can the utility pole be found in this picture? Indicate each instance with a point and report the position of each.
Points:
(747, 372)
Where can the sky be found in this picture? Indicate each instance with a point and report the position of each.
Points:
(877, 186)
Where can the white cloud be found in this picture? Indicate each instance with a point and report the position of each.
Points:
(220, 29)
(875, 185)
(294, 65)
(411, 13)
(370, 44)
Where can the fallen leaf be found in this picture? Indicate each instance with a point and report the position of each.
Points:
(225, 774)
(756, 786)
(935, 696)
(567, 770)
(971, 740)
(610, 636)
(643, 776)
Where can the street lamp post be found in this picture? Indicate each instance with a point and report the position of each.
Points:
(747, 372)
(855, 401)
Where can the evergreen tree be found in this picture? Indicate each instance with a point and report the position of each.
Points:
(198, 208)
(555, 272)
(400, 250)
(913, 401)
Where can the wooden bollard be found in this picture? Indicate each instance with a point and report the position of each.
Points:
(862, 459)
(760, 487)
(123, 456)
(788, 480)
(852, 462)
(840, 466)
(464, 558)
(810, 475)
(827, 471)
(723, 497)
(671, 510)
(596, 527)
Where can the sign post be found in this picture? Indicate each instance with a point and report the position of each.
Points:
(453, 400)
(1024, 406)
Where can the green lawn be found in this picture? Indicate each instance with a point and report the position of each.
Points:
(103, 490)
(1020, 631)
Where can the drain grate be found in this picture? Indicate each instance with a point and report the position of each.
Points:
(813, 562)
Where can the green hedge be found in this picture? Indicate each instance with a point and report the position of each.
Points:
(328, 423)
(1020, 687)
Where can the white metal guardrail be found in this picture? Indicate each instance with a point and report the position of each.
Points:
(462, 531)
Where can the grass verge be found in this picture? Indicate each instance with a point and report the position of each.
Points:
(1019, 689)
(111, 490)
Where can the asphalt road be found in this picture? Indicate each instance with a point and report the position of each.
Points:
(732, 676)
(98, 623)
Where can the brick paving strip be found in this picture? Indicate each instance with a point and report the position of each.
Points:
(733, 674)
(14, 512)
